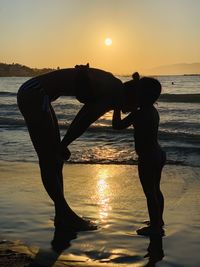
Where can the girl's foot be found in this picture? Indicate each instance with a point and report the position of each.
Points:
(149, 231)
(147, 222)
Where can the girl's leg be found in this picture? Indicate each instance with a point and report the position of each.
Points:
(147, 178)
(160, 196)
(158, 190)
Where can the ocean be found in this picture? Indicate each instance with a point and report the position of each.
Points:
(179, 132)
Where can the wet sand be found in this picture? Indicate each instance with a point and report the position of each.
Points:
(112, 196)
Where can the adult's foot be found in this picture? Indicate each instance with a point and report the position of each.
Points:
(74, 223)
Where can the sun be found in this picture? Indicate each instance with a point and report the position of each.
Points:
(108, 41)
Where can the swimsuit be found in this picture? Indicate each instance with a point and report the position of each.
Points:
(83, 90)
(31, 92)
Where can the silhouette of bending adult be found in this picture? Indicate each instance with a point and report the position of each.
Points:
(100, 92)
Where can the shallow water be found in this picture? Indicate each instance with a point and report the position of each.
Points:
(112, 196)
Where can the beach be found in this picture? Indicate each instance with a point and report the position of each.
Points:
(110, 195)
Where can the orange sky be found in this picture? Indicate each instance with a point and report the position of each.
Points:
(145, 33)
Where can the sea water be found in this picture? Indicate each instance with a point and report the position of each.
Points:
(179, 132)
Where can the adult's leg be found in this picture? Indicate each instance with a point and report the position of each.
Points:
(46, 140)
(45, 137)
(57, 133)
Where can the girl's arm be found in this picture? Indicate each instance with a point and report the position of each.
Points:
(118, 123)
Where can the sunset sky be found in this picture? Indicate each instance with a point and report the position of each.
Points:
(144, 33)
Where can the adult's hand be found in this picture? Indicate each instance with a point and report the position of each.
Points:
(64, 153)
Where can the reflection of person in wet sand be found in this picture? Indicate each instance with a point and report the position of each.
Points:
(151, 158)
(100, 92)
(155, 251)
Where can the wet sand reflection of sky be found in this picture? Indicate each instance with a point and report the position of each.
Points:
(103, 195)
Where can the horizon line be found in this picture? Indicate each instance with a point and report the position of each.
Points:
(146, 72)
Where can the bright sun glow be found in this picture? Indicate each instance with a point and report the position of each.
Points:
(108, 41)
(103, 193)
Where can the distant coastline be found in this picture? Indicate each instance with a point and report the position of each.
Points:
(18, 70)
(192, 74)
(189, 69)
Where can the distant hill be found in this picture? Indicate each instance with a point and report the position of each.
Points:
(175, 69)
(17, 70)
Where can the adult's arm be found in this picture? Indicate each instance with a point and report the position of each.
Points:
(88, 114)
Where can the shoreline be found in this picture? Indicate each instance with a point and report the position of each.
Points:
(132, 163)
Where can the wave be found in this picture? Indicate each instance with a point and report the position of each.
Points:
(112, 162)
(7, 94)
(185, 98)
(180, 124)
(132, 162)
(96, 132)
(12, 122)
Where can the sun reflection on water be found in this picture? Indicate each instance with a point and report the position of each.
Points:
(103, 194)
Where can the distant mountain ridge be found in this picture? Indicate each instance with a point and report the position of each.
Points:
(18, 70)
(175, 69)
